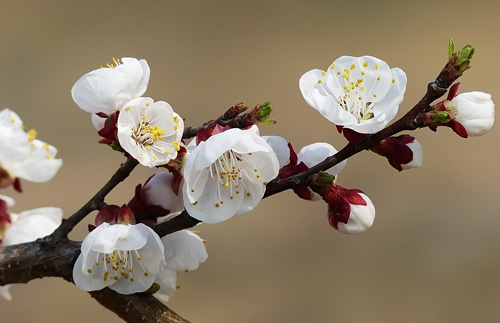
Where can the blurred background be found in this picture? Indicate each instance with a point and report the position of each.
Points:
(433, 252)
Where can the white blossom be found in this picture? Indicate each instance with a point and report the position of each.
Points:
(108, 88)
(150, 131)
(125, 258)
(226, 175)
(359, 93)
(22, 155)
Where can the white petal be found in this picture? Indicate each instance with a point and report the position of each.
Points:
(184, 250)
(106, 89)
(140, 284)
(33, 224)
(315, 153)
(153, 252)
(89, 281)
(309, 86)
(205, 209)
(41, 165)
(280, 147)
(254, 191)
(167, 280)
(475, 111)
(215, 146)
(360, 219)
(418, 155)
(158, 191)
(118, 237)
(97, 122)
(15, 148)
(10, 119)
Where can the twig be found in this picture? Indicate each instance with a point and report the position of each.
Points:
(96, 202)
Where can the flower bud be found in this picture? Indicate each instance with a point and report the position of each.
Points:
(402, 152)
(468, 114)
(349, 210)
(458, 63)
(308, 157)
(114, 214)
(474, 111)
(260, 113)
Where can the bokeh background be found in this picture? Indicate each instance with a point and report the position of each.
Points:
(433, 252)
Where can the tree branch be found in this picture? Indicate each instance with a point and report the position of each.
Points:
(96, 202)
(137, 307)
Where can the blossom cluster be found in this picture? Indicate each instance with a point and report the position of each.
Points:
(222, 172)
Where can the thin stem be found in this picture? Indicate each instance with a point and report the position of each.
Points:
(231, 118)
(182, 221)
(96, 202)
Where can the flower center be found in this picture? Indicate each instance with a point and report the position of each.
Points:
(146, 135)
(354, 98)
(118, 264)
(227, 170)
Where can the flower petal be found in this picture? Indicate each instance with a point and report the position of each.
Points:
(184, 250)
(107, 89)
(33, 224)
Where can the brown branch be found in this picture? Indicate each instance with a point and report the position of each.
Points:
(137, 307)
(96, 202)
(47, 257)
(182, 221)
(27, 261)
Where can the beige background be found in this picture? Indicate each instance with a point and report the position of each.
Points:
(433, 253)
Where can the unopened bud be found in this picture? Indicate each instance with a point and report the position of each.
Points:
(458, 63)
(402, 152)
